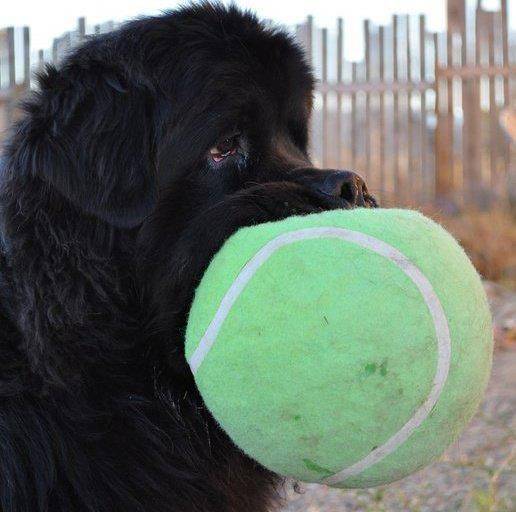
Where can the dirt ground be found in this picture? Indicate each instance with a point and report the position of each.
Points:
(476, 474)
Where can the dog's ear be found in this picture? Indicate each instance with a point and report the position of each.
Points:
(93, 140)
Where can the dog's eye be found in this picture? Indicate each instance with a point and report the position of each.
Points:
(226, 147)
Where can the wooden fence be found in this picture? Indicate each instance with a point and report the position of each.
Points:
(419, 116)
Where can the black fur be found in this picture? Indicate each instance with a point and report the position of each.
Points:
(111, 208)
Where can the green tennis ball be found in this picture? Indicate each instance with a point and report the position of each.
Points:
(348, 347)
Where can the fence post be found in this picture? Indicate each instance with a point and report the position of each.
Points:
(444, 140)
(81, 28)
(340, 59)
(493, 114)
(54, 51)
(41, 60)
(506, 143)
(381, 65)
(367, 124)
(309, 38)
(443, 184)
(11, 57)
(354, 67)
(26, 57)
(324, 80)
(422, 185)
(471, 133)
(11, 72)
(396, 107)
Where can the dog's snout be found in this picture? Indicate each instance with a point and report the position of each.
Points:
(346, 185)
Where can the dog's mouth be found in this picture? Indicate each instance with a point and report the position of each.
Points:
(225, 148)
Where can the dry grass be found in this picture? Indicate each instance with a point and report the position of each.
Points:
(489, 238)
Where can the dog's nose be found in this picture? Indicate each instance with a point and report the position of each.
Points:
(345, 185)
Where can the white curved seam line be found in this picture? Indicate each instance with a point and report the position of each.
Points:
(401, 261)
(441, 374)
(236, 288)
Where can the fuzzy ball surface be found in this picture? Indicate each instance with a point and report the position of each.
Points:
(347, 347)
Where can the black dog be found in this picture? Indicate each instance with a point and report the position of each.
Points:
(133, 163)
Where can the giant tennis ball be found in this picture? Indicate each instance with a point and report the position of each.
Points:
(347, 347)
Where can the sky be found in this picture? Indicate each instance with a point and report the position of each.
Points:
(51, 18)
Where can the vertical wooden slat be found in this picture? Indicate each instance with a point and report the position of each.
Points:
(506, 144)
(456, 31)
(299, 32)
(11, 71)
(437, 112)
(26, 57)
(54, 51)
(354, 118)
(340, 59)
(471, 128)
(303, 33)
(464, 42)
(408, 193)
(324, 79)
(436, 74)
(505, 50)
(445, 135)
(478, 31)
(464, 91)
(395, 106)
(367, 124)
(41, 60)
(11, 57)
(449, 64)
(309, 38)
(381, 147)
(309, 51)
(493, 111)
(340, 49)
(422, 186)
(81, 28)
(408, 48)
(443, 139)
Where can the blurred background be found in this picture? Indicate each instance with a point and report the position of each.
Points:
(420, 98)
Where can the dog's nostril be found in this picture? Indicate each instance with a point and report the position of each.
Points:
(348, 186)
(349, 191)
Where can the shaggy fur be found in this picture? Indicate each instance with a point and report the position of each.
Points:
(111, 207)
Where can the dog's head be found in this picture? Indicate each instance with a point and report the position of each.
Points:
(174, 131)
(206, 97)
